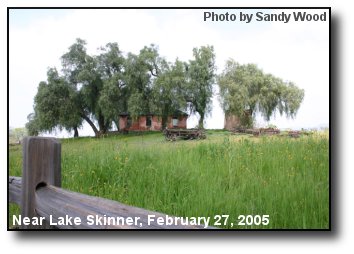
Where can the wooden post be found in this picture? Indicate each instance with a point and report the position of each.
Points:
(41, 166)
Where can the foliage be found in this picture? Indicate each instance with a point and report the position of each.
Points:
(201, 75)
(143, 75)
(81, 71)
(112, 99)
(138, 78)
(17, 134)
(98, 88)
(32, 125)
(246, 90)
(54, 105)
(169, 90)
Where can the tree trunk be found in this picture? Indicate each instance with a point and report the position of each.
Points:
(201, 121)
(164, 117)
(88, 120)
(164, 121)
(102, 124)
(76, 132)
(247, 118)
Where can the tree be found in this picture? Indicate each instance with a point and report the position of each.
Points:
(114, 94)
(54, 105)
(245, 90)
(17, 134)
(166, 89)
(32, 125)
(201, 77)
(141, 71)
(169, 90)
(82, 72)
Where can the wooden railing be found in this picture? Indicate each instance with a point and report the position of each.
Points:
(46, 205)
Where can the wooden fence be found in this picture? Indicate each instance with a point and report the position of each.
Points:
(39, 195)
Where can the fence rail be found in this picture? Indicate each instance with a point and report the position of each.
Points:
(39, 195)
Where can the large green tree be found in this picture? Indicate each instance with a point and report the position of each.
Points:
(141, 73)
(245, 90)
(169, 90)
(201, 77)
(82, 72)
(55, 105)
(114, 93)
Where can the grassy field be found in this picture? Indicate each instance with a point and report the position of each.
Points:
(287, 179)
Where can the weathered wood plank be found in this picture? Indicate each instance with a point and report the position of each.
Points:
(41, 165)
(58, 202)
(15, 189)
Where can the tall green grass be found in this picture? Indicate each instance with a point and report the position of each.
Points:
(284, 178)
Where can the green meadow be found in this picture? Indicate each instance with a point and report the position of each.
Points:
(285, 178)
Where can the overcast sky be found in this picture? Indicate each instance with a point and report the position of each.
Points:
(294, 51)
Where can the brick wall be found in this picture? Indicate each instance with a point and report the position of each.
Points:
(231, 122)
(156, 123)
(182, 122)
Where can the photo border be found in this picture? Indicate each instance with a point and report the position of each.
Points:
(332, 93)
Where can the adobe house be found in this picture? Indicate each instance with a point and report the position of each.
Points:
(152, 122)
(231, 122)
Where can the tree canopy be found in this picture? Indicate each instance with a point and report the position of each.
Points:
(97, 88)
(110, 64)
(55, 105)
(169, 90)
(17, 134)
(201, 76)
(246, 90)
